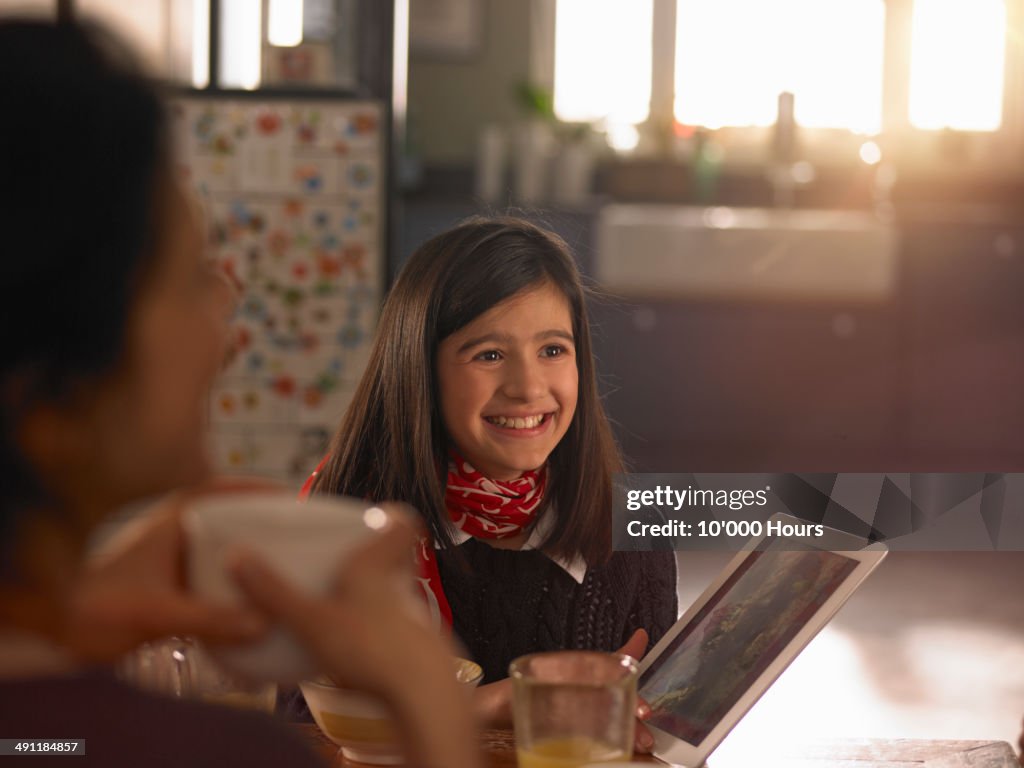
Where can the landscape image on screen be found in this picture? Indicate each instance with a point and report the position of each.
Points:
(744, 626)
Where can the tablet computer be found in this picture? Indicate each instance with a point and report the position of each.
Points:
(717, 660)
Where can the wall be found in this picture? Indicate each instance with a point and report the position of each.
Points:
(451, 100)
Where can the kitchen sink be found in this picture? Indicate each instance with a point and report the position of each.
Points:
(666, 251)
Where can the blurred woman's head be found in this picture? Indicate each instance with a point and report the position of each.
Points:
(115, 322)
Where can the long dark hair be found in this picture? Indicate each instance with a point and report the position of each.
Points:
(82, 142)
(392, 443)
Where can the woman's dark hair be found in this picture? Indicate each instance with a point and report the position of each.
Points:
(392, 443)
(82, 143)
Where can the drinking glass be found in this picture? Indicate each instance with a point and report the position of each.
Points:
(164, 666)
(573, 708)
(211, 683)
(180, 668)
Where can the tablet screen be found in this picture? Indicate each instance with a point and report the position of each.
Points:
(737, 634)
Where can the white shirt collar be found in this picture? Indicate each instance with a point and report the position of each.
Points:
(577, 567)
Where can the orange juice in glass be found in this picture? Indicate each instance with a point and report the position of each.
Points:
(569, 752)
(573, 708)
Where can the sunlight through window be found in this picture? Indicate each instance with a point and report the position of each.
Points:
(603, 60)
(734, 57)
(956, 64)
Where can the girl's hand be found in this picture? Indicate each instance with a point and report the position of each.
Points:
(494, 700)
(364, 637)
(134, 590)
(643, 741)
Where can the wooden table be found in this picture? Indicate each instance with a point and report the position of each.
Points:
(498, 747)
(893, 753)
(499, 752)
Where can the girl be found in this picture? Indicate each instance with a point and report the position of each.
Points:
(102, 389)
(479, 407)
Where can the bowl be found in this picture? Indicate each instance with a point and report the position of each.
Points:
(304, 542)
(360, 723)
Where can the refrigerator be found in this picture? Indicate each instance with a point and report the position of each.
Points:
(295, 180)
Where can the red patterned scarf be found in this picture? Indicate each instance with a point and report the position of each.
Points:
(478, 506)
(491, 509)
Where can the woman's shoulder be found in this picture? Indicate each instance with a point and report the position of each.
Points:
(126, 726)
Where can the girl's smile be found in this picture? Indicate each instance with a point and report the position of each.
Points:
(508, 383)
(520, 426)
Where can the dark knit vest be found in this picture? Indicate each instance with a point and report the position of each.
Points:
(507, 603)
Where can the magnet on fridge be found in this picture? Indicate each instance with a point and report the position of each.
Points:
(361, 175)
(278, 241)
(268, 122)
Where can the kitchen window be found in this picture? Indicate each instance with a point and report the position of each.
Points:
(603, 63)
(957, 57)
(777, 40)
(912, 72)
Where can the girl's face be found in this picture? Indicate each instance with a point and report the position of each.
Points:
(508, 383)
(140, 430)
